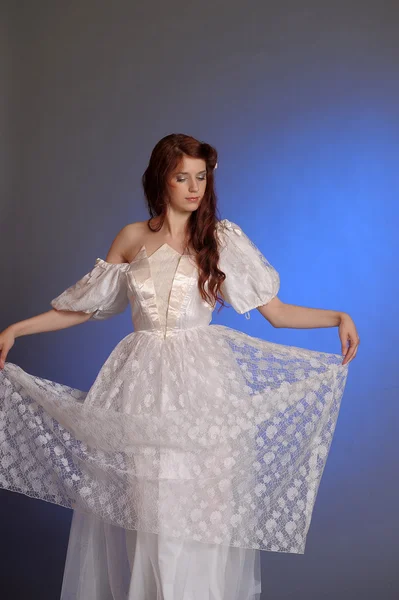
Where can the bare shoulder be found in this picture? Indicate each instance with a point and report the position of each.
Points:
(126, 243)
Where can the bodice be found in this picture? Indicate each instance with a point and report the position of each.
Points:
(163, 292)
(163, 264)
(162, 288)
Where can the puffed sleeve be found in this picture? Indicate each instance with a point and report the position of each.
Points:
(102, 291)
(251, 281)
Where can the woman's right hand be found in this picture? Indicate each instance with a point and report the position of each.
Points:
(7, 339)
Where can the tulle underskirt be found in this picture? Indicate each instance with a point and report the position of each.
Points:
(106, 562)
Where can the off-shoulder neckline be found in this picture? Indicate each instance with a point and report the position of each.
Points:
(127, 265)
(143, 250)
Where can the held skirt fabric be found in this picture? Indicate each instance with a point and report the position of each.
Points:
(196, 447)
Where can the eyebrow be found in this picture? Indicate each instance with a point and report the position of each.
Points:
(185, 172)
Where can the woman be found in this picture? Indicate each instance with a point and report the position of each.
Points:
(197, 446)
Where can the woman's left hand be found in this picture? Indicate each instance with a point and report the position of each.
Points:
(348, 333)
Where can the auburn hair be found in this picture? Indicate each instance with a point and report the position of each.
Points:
(201, 231)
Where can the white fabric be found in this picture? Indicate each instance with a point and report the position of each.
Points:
(251, 280)
(163, 264)
(192, 430)
(105, 561)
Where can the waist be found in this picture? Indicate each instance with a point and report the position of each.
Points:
(166, 332)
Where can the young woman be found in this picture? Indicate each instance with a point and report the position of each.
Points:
(198, 445)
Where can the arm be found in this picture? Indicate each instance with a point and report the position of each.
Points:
(125, 244)
(57, 318)
(51, 320)
(120, 245)
(280, 314)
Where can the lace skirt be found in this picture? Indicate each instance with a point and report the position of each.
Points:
(210, 435)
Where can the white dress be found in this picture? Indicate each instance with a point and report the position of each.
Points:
(196, 447)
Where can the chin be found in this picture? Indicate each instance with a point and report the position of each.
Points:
(191, 207)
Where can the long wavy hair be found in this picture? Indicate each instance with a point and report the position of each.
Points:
(201, 231)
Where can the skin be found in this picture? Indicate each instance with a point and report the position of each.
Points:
(189, 179)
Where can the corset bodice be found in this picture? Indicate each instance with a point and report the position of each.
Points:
(163, 292)
(163, 264)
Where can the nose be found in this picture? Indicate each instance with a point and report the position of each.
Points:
(193, 187)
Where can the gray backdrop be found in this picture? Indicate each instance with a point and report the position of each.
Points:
(301, 100)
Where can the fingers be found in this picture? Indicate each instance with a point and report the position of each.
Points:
(348, 357)
(3, 356)
(352, 350)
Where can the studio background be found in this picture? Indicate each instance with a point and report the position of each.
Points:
(301, 101)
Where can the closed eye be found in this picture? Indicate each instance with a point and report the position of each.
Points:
(185, 178)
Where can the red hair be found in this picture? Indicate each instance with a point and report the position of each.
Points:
(201, 231)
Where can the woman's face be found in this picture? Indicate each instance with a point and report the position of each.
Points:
(187, 184)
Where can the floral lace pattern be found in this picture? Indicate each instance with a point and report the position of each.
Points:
(190, 429)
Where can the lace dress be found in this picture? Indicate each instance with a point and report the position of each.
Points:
(147, 566)
(196, 447)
